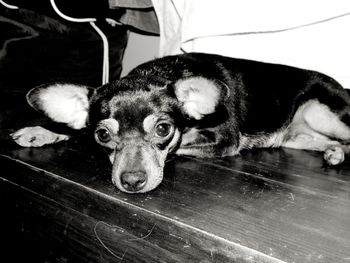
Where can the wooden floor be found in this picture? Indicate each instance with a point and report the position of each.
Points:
(263, 206)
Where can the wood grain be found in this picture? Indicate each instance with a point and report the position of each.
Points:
(263, 206)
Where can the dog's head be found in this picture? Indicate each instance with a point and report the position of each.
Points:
(138, 122)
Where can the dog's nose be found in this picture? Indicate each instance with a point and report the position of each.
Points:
(133, 181)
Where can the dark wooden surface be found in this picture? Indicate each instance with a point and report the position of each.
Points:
(263, 206)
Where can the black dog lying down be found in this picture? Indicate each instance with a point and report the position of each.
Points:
(200, 105)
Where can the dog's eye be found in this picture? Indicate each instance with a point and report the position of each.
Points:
(163, 129)
(103, 135)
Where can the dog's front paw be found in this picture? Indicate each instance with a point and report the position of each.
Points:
(334, 155)
(36, 137)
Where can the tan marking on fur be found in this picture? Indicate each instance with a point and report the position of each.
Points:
(111, 124)
(149, 122)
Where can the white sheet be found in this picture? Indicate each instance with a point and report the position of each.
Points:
(312, 34)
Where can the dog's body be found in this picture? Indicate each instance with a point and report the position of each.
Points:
(200, 105)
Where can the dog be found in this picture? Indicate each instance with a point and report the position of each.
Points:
(196, 104)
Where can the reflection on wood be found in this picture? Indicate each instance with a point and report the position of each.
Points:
(262, 206)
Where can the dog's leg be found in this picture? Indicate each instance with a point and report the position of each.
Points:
(199, 151)
(316, 127)
(322, 120)
(334, 151)
(37, 136)
(193, 143)
(201, 143)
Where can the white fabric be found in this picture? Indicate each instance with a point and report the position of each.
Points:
(312, 34)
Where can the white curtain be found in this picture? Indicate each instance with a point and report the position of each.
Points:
(311, 34)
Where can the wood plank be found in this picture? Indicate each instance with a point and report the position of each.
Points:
(176, 242)
(262, 206)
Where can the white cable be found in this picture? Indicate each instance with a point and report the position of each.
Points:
(72, 19)
(8, 5)
(105, 65)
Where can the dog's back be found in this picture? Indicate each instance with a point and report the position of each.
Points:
(263, 96)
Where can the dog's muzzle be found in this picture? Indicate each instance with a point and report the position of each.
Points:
(138, 168)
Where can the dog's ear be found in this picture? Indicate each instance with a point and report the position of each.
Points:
(62, 102)
(200, 96)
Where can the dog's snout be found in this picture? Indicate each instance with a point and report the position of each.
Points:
(133, 181)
